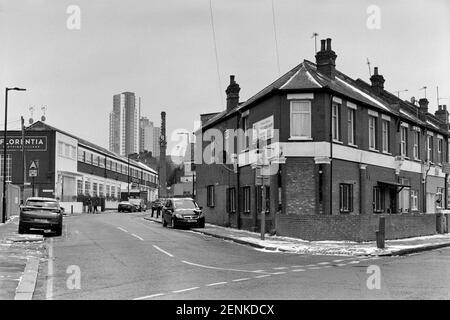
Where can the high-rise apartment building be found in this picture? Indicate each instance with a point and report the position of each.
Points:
(124, 124)
(149, 136)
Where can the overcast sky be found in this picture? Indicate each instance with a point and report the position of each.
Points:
(163, 50)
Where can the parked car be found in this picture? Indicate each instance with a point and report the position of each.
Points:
(41, 213)
(138, 203)
(179, 212)
(126, 206)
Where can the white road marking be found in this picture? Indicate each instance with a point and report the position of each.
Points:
(262, 276)
(279, 272)
(297, 266)
(315, 268)
(280, 268)
(122, 229)
(150, 296)
(310, 265)
(165, 252)
(216, 284)
(218, 268)
(49, 293)
(183, 290)
(298, 270)
(339, 260)
(136, 236)
(353, 262)
(322, 263)
(242, 279)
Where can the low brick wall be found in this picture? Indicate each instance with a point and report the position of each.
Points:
(354, 227)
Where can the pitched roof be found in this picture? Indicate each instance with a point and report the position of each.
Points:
(306, 77)
(40, 126)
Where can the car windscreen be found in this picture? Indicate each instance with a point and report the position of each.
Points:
(42, 203)
(184, 204)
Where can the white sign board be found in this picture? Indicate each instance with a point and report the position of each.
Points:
(263, 130)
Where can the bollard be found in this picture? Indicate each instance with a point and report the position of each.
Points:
(71, 209)
(380, 233)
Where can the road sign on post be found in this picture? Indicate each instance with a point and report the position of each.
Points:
(33, 169)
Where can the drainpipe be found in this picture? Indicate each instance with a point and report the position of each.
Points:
(238, 191)
(331, 154)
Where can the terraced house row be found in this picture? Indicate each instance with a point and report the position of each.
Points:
(351, 152)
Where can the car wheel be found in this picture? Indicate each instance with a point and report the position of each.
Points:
(22, 229)
(201, 224)
(58, 230)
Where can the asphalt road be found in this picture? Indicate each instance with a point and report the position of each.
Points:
(123, 256)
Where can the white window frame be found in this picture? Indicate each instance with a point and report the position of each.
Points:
(416, 145)
(440, 147)
(414, 200)
(430, 148)
(404, 141)
(308, 135)
(335, 122)
(351, 126)
(385, 135)
(373, 136)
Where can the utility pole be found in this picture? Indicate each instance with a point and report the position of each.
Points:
(368, 64)
(315, 35)
(24, 168)
(162, 158)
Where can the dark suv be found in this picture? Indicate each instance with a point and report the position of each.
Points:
(185, 212)
(41, 213)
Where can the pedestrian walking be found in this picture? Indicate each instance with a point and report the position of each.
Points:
(89, 204)
(95, 205)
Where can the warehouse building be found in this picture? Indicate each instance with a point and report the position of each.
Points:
(61, 165)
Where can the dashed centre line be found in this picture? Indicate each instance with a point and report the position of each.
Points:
(122, 229)
(136, 236)
(184, 290)
(216, 284)
(150, 296)
(242, 279)
(163, 251)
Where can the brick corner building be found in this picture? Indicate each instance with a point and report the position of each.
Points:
(353, 152)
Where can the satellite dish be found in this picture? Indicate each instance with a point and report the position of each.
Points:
(30, 121)
(43, 118)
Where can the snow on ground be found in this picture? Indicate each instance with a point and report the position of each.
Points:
(328, 247)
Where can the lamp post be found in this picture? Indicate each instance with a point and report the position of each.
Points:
(4, 150)
(189, 146)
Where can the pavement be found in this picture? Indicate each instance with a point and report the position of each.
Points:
(124, 256)
(346, 248)
(20, 256)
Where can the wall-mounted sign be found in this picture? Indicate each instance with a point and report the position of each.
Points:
(263, 130)
(32, 143)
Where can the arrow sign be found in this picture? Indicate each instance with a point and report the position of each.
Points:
(34, 164)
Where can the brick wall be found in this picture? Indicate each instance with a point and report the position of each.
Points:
(300, 188)
(354, 227)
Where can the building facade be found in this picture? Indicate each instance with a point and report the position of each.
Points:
(124, 124)
(337, 153)
(73, 169)
(149, 136)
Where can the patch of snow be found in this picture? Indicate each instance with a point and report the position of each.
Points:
(365, 95)
(291, 78)
(313, 79)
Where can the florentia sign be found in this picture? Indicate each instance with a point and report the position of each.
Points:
(32, 143)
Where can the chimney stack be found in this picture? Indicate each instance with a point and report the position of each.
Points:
(423, 105)
(232, 94)
(377, 81)
(442, 113)
(326, 59)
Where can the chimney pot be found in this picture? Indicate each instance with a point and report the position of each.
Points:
(328, 44)
(377, 81)
(232, 92)
(375, 71)
(326, 59)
